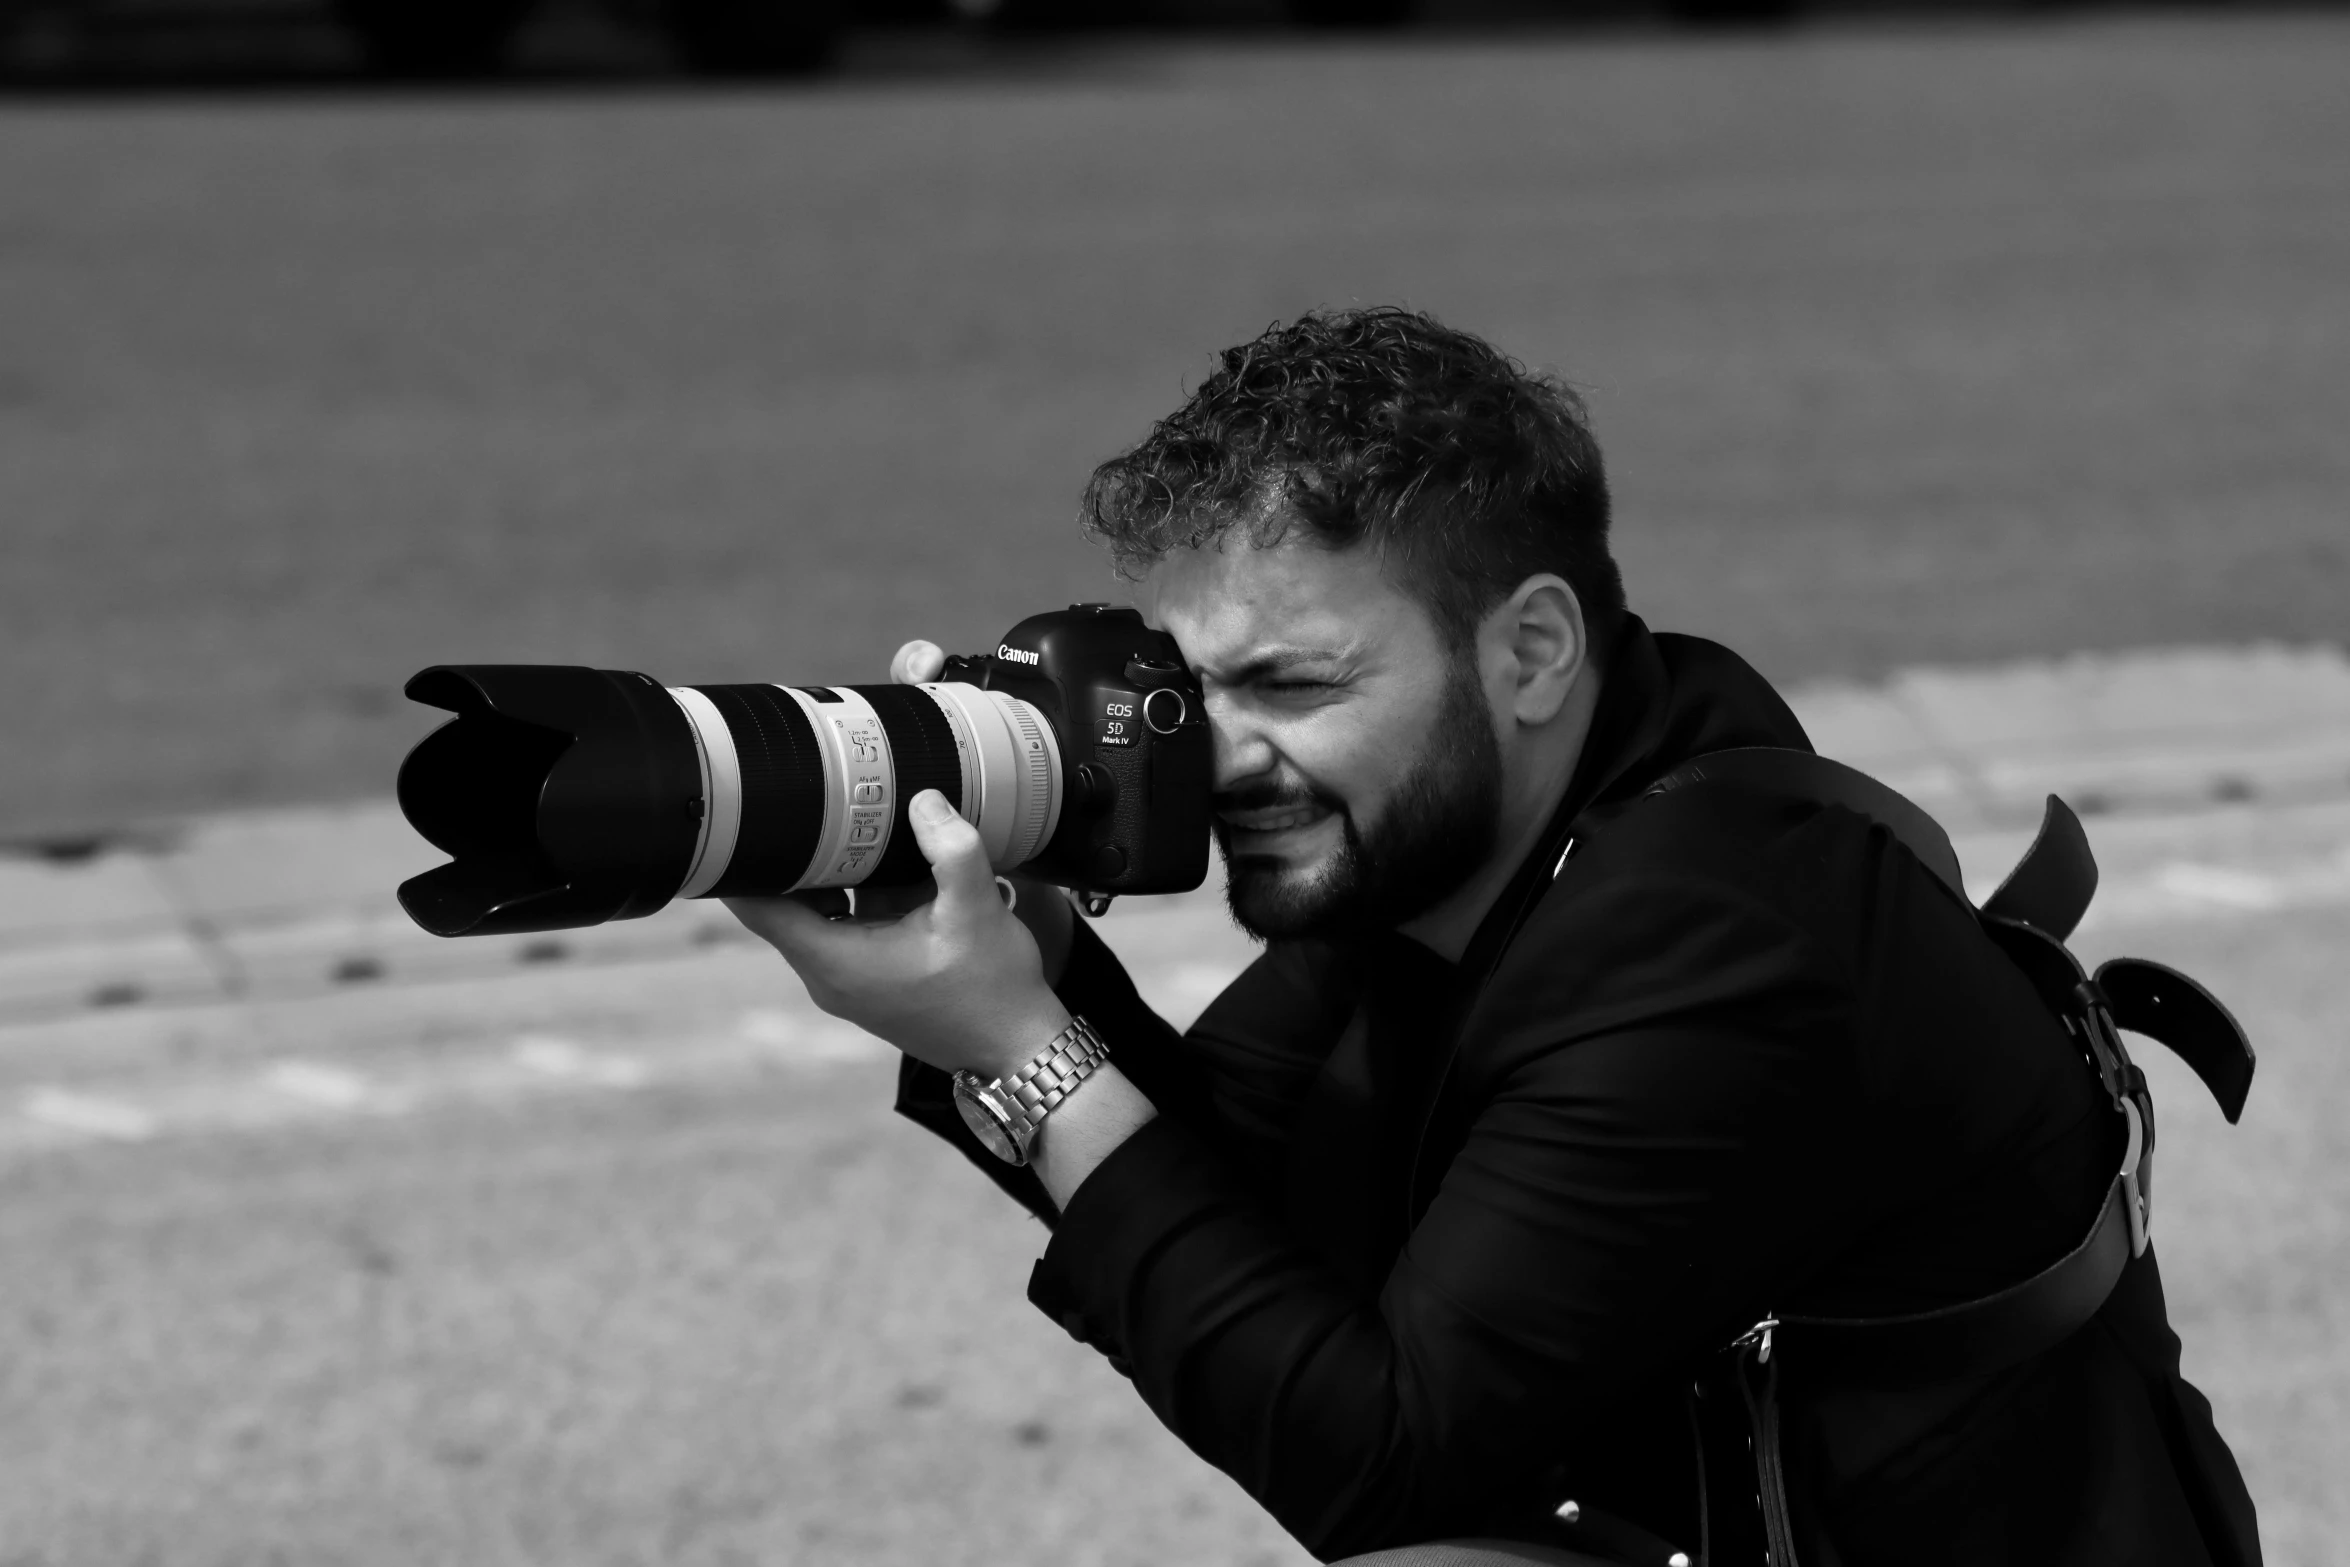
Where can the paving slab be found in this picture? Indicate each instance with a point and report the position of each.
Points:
(1876, 729)
(103, 895)
(159, 966)
(2150, 730)
(588, 1025)
(272, 867)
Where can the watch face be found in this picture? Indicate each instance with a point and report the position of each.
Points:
(988, 1123)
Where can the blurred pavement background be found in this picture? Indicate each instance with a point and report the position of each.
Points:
(1928, 359)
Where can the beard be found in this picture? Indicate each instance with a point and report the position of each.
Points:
(1437, 830)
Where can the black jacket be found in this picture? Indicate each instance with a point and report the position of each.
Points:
(1419, 1250)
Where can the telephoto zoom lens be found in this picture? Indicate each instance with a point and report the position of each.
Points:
(568, 796)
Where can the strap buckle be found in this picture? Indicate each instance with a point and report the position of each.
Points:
(2127, 1086)
(1760, 1334)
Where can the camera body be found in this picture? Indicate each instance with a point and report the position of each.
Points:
(1137, 761)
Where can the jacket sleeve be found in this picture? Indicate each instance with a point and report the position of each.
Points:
(1618, 1194)
(1231, 1081)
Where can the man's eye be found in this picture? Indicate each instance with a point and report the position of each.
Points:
(1297, 687)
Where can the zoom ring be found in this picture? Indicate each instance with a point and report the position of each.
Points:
(782, 788)
(923, 755)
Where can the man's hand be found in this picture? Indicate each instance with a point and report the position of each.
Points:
(957, 981)
(1042, 907)
(952, 977)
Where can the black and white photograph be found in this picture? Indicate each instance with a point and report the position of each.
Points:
(1174, 783)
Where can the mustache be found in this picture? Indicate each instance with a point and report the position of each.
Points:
(1274, 794)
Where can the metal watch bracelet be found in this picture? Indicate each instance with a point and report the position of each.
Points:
(1015, 1106)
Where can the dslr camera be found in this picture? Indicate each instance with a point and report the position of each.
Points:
(568, 796)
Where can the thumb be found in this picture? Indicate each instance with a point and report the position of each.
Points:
(958, 860)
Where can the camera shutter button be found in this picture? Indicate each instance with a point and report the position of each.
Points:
(1165, 710)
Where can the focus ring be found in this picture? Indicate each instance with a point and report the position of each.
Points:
(1035, 758)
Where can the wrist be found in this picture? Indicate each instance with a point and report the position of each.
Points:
(1026, 1034)
(1009, 1113)
(1050, 919)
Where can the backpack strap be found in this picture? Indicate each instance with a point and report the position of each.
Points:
(2049, 888)
(1766, 769)
(2147, 998)
(2039, 904)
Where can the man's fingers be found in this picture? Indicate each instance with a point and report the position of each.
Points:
(917, 662)
(786, 923)
(958, 860)
(889, 903)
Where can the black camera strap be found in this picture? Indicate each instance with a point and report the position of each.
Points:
(2034, 910)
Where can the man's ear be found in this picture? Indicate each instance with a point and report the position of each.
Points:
(1536, 636)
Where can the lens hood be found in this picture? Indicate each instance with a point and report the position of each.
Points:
(565, 796)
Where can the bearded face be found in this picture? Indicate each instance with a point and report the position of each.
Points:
(1394, 857)
(1359, 769)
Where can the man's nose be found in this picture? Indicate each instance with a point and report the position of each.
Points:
(1242, 749)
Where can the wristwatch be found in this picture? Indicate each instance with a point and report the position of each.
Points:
(1006, 1114)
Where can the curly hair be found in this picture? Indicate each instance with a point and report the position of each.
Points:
(1466, 471)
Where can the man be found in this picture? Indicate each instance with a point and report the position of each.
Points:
(1543, 1090)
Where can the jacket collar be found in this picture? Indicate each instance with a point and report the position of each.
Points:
(1663, 699)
